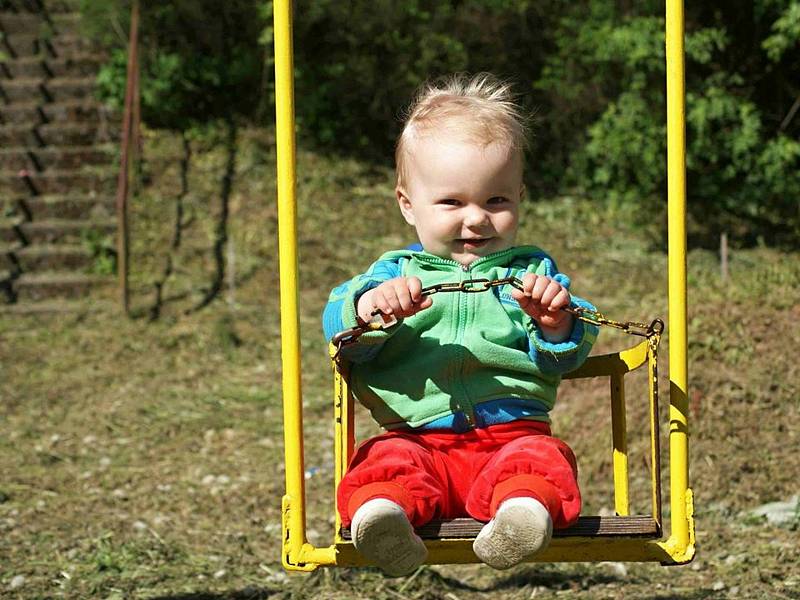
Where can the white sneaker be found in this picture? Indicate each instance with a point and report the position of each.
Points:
(382, 533)
(521, 527)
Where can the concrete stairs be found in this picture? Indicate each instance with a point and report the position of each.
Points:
(58, 154)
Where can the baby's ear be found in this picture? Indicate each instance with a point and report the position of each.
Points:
(405, 204)
(522, 191)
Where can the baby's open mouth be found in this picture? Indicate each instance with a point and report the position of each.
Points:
(474, 242)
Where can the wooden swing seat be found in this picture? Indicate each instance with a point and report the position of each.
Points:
(634, 526)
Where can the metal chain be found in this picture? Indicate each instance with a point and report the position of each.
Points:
(651, 331)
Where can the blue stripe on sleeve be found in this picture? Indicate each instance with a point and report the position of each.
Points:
(340, 311)
(566, 356)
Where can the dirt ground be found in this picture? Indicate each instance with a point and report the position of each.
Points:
(144, 458)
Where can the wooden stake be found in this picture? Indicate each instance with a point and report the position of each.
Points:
(723, 255)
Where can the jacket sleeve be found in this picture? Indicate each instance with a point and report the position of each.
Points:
(340, 312)
(566, 356)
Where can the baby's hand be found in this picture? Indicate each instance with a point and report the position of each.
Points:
(543, 298)
(399, 297)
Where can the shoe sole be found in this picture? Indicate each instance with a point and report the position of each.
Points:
(387, 540)
(512, 536)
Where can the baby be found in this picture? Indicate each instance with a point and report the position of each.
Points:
(462, 383)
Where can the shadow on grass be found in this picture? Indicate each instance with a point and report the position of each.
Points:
(528, 576)
(341, 581)
(698, 594)
(553, 579)
(248, 593)
(435, 585)
(584, 580)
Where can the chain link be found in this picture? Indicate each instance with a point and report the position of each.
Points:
(652, 331)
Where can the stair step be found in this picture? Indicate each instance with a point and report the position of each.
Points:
(57, 46)
(40, 286)
(57, 89)
(54, 7)
(55, 307)
(56, 134)
(101, 181)
(47, 257)
(14, 23)
(8, 260)
(6, 293)
(50, 257)
(31, 67)
(55, 231)
(70, 207)
(67, 157)
(75, 111)
(9, 230)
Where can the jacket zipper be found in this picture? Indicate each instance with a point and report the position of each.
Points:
(464, 403)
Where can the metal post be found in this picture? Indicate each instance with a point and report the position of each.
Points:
(294, 517)
(680, 495)
(122, 179)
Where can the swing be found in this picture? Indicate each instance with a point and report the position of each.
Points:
(624, 537)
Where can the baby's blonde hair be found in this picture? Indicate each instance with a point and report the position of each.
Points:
(478, 109)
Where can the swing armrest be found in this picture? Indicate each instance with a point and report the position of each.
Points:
(616, 363)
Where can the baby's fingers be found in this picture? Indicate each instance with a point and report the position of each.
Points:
(561, 299)
(400, 297)
(554, 296)
(414, 289)
(540, 286)
(520, 296)
(404, 302)
(426, 302)
(384, 300)
(419, 302)
(527, 284)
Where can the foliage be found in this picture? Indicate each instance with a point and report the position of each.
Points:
(592, 71)
(102, 252)
(785, 32)
(200, 60)
(358, 63)
(743, 154)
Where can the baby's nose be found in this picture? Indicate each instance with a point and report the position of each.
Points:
(475, 216)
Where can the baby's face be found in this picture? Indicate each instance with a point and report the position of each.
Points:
(462, 198)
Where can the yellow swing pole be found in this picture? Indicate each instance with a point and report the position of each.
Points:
(681, 542)
(294, 500)
(296, 552)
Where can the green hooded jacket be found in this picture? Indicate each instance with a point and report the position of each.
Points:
(471, 359)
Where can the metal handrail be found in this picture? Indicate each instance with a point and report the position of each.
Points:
(130, 136)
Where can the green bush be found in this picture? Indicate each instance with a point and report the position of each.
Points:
(358, 63)
(743, 155)
(200, 59)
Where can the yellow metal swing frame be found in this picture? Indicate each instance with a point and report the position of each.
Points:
(622, 538)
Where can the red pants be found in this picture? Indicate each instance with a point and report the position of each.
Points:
(439, 474)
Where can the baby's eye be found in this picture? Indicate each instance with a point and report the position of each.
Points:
(449, 202)
(497, 200)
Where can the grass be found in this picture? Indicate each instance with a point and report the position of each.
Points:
(143, 459)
